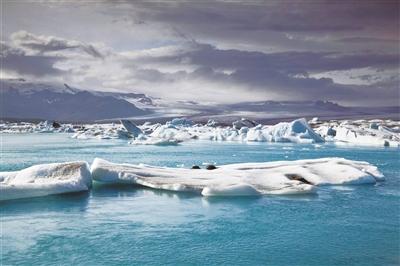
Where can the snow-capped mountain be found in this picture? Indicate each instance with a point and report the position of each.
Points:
(21, 99)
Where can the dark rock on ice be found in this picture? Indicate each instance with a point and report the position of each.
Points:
(211, 167)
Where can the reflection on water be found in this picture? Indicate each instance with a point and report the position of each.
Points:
(75, 201)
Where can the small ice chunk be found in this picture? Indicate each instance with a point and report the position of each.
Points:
(180, 122)
(212, 123)
(244, 123)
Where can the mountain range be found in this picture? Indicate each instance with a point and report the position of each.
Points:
(26, 100)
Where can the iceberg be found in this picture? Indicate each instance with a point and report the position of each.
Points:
(131, 128)
(164, 135)
(45, 179)
(103, 131)
(212, 123)
(182, 122)
(243, 123)
(245, 179)
(360, 133)
(297, 131)
(42, 127)
(375, 137)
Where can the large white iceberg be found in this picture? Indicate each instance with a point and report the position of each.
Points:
(370, 136)
(45, 179)
(361, 132)
(284, 177)
(297, 131)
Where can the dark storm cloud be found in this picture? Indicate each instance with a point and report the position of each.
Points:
(366, 39)
(307, 88)
(274, 15)
(285, 62)
(269, 22)
(286, 74)
(332, 50)
(16, 60)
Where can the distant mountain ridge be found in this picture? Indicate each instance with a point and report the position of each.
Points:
(21, 99)
(26, 100)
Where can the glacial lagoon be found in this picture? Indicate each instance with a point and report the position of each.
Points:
(126, 224)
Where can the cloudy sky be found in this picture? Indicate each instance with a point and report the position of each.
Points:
(209, 51)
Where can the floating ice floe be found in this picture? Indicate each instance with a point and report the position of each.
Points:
(45, 179)
(357, 132)
(183, 122)
(245, 179)
(179, 130)
(285, 177)
(297, 131)
(102, 131)
(163, 135)
(361, 132)
(42, 127)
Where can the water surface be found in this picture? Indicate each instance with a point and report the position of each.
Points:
(126, 225)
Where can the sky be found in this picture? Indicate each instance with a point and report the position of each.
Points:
(209, 51)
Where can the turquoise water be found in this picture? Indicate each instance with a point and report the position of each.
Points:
(127, 225)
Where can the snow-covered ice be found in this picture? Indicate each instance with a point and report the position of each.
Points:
(45, 179)
(297, 131)
(42, 127)
(180, 122)
(244, 179)
(357, 132)
(283, 177)
(361, 132)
